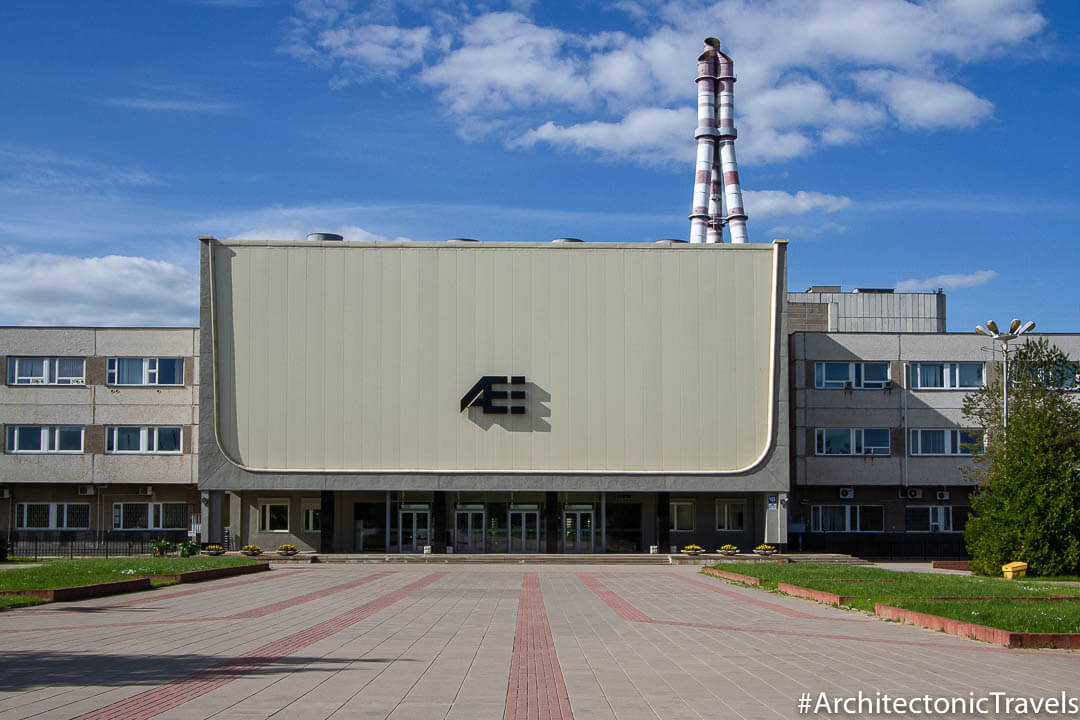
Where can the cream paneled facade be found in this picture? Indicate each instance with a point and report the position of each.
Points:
(335, 372)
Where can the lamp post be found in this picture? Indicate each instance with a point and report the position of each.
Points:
(1015, 331)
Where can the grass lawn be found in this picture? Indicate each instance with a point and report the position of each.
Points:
(1016, 615)
(15, 601)
(70, 573)
(913, 591)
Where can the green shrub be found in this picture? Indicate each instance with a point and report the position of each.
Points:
(187, 548)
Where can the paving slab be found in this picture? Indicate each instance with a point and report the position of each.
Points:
(475, 641)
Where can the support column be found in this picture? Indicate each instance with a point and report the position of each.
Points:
(552, 519)
(387, 521)
(326, 522)
(438, 522)
(603, 521)
(663, 522)
(212, 503)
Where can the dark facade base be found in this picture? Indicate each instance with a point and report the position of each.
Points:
(882, 545)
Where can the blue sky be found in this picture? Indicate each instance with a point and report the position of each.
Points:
(913, 145)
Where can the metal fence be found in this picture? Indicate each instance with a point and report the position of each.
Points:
(46, 547)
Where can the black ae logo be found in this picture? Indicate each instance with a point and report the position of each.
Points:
(483, 395)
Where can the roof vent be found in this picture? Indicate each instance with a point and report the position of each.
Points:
(567, 240)
(671, 241)
(324, 237)
(461, 240)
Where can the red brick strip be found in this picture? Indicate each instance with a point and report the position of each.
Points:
(628, 612)
(951, 564)
(213, 573)
(997, 636)
(737, 577)
(763, 604)
(300, 599)
(820, 595)
(154, 702)
(537, 690)
(85, 592)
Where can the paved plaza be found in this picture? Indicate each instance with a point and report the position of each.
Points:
(413, 642)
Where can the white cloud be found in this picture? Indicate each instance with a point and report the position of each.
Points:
(948, 282)
(115, 290)
(921, 103)
(25, 166)
(351, 233)
(766, 203)
(506, 75)
(161, 105)
(653, 134)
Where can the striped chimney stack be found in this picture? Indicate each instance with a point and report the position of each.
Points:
(716, 180)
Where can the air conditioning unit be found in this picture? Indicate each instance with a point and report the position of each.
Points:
(942, 494)
(847, 493)
(914, 493)
(147, 490)
(86, 489)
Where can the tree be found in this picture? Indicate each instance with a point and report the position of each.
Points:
(1029, 473)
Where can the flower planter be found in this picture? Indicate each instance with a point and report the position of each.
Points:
(286, 553)
(213, 552)
(728, 553)
(251, 553)
(764, 552)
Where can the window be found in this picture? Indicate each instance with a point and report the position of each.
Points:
(847, 518)
(46, 371)
(150, 516)
(730, 515)
(851, 441)
(44, 439)
(928, 518)
(150, 440)
(946, 376)
(52, 516)
(274, 516)
(145, 371)
(858, 375)
(312, 508)
(682, 515)
(946, 442)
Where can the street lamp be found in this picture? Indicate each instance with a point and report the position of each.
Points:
(1015, 331)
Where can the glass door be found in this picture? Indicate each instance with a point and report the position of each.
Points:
(524, 531)
(414, 522)
(469, 530)
(577, 529)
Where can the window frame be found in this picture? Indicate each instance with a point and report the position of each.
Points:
(724, 511)
(856, 443)
(852, 518)
(49, 439)
(856, 375)
(58, 516)
(155, 515)
(944, 513)
(264, 514)
(148, 435)
(673, 516)
(150, 371)
(950, 375)
(312, 511)
(50, 369)
(952, 442)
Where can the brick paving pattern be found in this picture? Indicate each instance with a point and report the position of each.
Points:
(482, 642)
(537, 690)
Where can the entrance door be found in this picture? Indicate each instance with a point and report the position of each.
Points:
(577, 531)
(415, 530)
(524, 531)
(469, 531)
